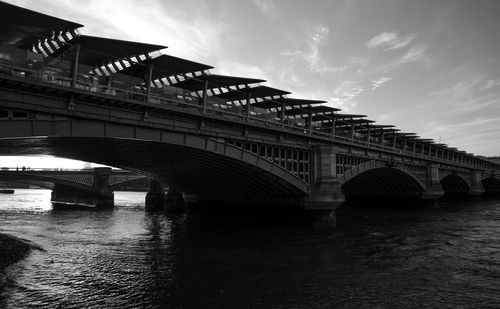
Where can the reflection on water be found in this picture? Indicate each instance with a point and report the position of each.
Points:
(390, 258)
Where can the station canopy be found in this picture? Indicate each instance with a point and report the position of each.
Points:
(397, 134)
(318, 112)
(347, 116)
(377, 128)
(253, 92)
(22, 28)
(407, 134)
(425, 140)
(215, 81)
(356, 121)
(287, 102)
(97, 51)
(348, 123)
(164, 66)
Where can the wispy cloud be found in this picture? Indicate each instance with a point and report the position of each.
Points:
(379, 82)
(310, 53)
(345, 94)
(491, 84)
(390, 41)
(413, 55)
(318, 37)
(229, 67)
(267, 7)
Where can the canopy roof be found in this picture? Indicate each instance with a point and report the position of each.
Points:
(254, 92)
(163, 66)
(98, 51)
(425, 140)
(381, 126)
(23, 28)
(390, 132)
(215, 81)
(288, 102)
(377, 128)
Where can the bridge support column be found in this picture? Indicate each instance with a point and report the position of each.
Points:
(477, 190)
(326, 193)
(103, 195)
(434, 189)
(174, 201)
(155, 198)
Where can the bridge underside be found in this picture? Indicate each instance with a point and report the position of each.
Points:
(491, 185)
(190, 170)
(383, 182)
(455, 185)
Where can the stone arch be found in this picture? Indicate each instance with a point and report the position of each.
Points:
(455, 184)
(491, 184)
(376, 178)
(194, 164)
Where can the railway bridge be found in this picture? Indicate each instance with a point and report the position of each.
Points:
(88, 186)
(216, 139)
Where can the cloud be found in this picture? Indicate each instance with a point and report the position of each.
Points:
(491, 84)
(229, 67)
(345, 94)
(312, 56)
(379, 82)
(310, 53)
(414, 54)
(390, 40)
(267, 7)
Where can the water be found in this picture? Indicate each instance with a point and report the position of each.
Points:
(126, 258)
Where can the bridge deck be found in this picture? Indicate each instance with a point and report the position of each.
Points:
(16, 73)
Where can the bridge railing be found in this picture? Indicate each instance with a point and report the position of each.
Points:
(187, 101)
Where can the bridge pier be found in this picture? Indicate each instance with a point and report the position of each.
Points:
(155, 198)
(174, 201)
(100, 197)
(326, 193)
(434, 189)
(476, 192)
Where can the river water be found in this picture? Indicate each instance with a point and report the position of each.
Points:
(127, 258)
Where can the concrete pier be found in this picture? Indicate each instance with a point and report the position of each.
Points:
(155, 198)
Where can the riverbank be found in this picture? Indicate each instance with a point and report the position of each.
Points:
(12, 250)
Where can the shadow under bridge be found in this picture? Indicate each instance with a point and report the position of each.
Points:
(381, 180)
(192, 164)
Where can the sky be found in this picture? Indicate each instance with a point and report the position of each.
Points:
(431, 67)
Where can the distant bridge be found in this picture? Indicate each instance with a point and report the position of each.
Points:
(218, 139)
(84, 179)
(89, 184)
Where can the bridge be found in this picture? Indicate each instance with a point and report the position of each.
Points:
(88, 186)
(212, 139)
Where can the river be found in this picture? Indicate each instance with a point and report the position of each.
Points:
(127, 258)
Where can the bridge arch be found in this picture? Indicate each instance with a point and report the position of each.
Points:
(491, 184)
(455, 184)
(194, 164)
(376, 178)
